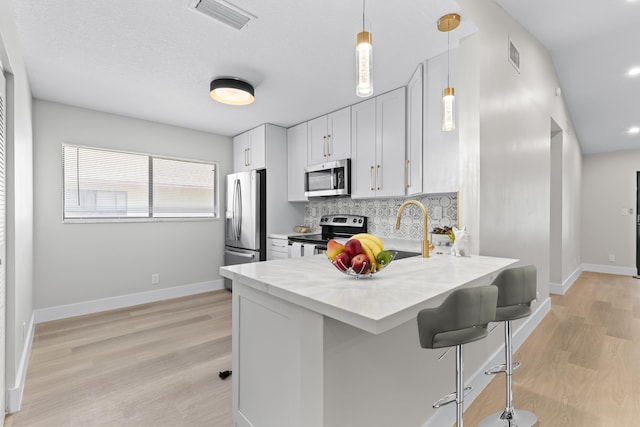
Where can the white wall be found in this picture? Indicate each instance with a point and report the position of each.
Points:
(515, 111)
(82, 262)
(610, 185)
(19, 197)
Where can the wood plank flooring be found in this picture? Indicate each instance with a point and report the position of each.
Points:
(581, 366)
(157, 364)
(150, 365)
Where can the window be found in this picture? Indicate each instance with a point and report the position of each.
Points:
(113, 185)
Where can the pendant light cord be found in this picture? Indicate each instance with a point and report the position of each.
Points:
(448, 51)
(363, 3)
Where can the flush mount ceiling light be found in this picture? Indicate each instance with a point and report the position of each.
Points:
(446, 24)
(232, 91)
(633, 130)
(635, 71)
(364, 61)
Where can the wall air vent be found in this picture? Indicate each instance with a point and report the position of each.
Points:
(224, 12)
(514, 56)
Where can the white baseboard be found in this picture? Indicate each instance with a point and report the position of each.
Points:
(121, 301)
(14, 394)
(610, 269)
(446, 415)
(561, 289)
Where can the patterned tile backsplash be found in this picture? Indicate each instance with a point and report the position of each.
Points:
(441, 208)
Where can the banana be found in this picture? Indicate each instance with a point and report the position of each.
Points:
(369, 253)
(375, 239)
(372, 245)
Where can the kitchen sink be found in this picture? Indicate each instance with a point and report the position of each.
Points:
(405, 254)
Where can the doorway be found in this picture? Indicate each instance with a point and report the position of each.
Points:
(637, 276)
(3, 283)
(555, 214)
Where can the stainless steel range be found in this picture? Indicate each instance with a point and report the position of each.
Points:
(333, 227)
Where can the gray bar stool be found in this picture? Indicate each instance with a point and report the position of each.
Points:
(516, 291)
(461, 318)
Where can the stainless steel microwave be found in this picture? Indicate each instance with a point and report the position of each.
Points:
(328, 179)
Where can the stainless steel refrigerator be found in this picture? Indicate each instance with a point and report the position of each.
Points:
(246, 234)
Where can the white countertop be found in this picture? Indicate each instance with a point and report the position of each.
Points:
(376, 304)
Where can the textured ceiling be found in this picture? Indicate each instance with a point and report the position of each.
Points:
(154, 59)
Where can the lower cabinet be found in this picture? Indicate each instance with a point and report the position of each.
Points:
(378, 136)
(277, 248)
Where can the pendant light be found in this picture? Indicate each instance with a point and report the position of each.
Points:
(446, 24)
(364, 61)
(231, 91)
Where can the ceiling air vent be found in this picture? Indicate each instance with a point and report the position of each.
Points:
(224, 12)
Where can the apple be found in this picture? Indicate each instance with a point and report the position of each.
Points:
(353, 247)
(334, 248)
(360, 264)
(342, 261)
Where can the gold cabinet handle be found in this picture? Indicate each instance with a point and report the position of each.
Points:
(329, 142)
(371, 179)
(378, 177)
(324, 146)
(407, 175)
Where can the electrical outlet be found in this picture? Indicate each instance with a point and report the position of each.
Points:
(612, 257)
(630, 211)
(155, 278)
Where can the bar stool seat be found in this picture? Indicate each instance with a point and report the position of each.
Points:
(516, 291)
(462, 318)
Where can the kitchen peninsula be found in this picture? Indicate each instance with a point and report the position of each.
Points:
(315, 347)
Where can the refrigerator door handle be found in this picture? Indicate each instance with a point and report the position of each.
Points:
(240, 254)
(238, 209)
(233, 209)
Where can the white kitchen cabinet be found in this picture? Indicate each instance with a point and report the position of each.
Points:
(297, 161)
(267, 148)
(329, 137)
(440, 167)
(249, 150)
(413, 160)
(277, 248)
(378, 136)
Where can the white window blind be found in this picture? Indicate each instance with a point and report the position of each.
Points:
(182, 188)
(105, 184)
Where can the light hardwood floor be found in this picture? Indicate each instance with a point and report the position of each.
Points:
(157, 364)
(150, 365)
(581, 366)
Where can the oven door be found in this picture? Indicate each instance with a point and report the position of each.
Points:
(305, 246)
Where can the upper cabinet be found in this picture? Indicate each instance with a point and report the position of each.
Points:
(378, 146)
(440, 168)
(249, 150)
(297, 161)
(329, 137)
(413, 161)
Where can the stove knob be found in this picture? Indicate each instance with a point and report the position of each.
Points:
(360, 220)
(354, 220)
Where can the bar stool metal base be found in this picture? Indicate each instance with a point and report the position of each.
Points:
(509, 417)
(514, 418)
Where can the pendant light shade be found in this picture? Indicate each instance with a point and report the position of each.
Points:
(448, 109)
(364, 61)
(232, 91)
(445, 24)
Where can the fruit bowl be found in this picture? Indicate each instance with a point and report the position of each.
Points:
(350, 271)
